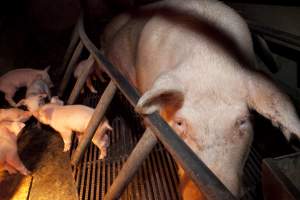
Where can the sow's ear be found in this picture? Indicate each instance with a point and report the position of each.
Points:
(166, 93)
(272, 103)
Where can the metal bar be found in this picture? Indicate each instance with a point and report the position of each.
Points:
(284, 38)
(134, 161)
(79, 84)
(70, 69)
(83, 177)
(263, 51)
(94, 122)
(196, 169)
(71, 47)
(94, 165)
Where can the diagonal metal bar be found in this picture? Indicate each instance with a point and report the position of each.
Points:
(94, 122)
(79, 84)
(196, 169)
(275, 35)
(70, 69)
(134, 161)
(263, 51)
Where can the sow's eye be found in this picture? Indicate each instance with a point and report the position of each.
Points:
(244, 123)
(180, 126)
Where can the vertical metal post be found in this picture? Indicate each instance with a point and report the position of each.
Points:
(79, 84)
(134, 161)
(95, 121)
(70, 69)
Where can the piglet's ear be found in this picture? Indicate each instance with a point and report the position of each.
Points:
(21, 103)
(166, 94)
(47, 68)
(42, 95)
(18, 127)
(272, 103)
(27, 113)
(36, 114)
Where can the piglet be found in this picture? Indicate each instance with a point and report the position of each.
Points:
(33, 102)
(24, 77)
(94, 72)
(9, 158)
(69, 118)
(100, 138)
(14, 114)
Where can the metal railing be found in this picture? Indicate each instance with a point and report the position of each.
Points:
(157, 129)
(277, 36)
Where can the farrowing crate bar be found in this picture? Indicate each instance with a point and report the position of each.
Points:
(158, 128)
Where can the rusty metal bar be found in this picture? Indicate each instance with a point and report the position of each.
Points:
(131, 166)
(94, 122)
(79, 84)
(70, 69)
(196, 169)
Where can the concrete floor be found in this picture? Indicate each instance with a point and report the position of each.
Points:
(41, 150)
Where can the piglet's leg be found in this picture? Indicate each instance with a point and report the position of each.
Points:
(14, 160)
(102, 144)
(82, 91)
(101, 139)
(67, 138)
(99, 74)
(89, 84)
(10, 169)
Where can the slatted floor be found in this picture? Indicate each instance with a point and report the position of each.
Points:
(252, 177)
(157, 179)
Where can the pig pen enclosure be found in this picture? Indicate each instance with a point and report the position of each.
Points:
(140, 163)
